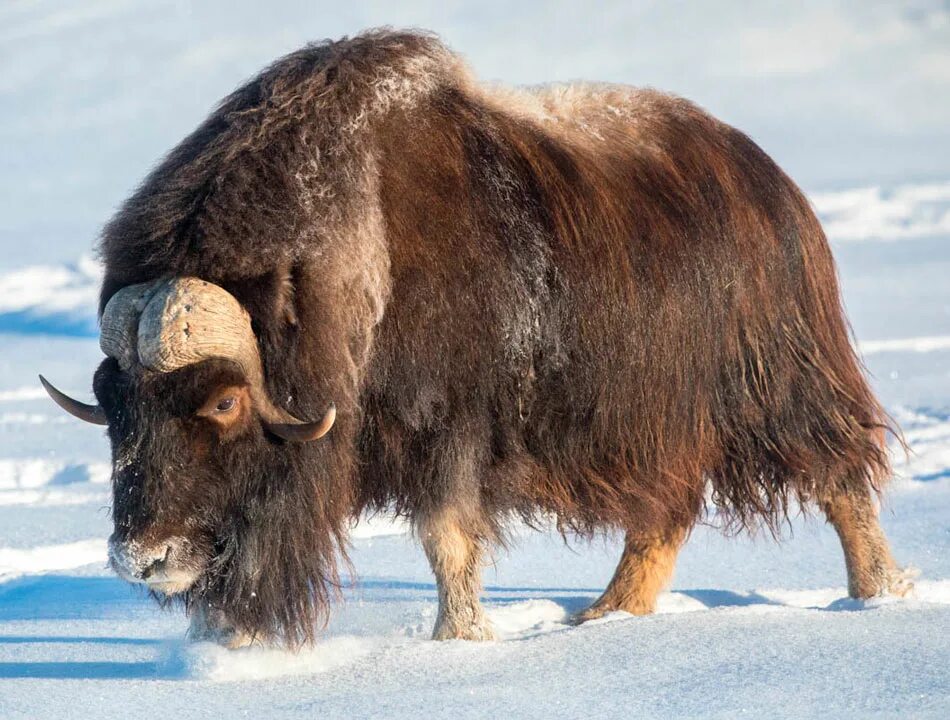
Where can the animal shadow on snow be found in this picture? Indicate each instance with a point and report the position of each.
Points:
(79, 670)
(60, 597)
(56, 597)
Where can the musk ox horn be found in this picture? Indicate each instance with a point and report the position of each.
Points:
(304, 432)
(90, 413)
(187, 320)
(118, 333)
(170, 324)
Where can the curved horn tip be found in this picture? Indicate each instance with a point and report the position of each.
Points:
(304, 432)
(89, 413)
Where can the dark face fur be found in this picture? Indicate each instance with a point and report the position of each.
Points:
(213, 510)
(178, 440)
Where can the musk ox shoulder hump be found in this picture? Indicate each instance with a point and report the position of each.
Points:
(266, 146)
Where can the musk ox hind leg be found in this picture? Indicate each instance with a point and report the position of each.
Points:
(870, 566)
(645, 568)
(455, 547)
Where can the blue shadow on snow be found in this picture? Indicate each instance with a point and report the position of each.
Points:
(64, 597)
(79, 670)
(77, 639)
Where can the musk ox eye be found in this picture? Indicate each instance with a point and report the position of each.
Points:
(225, 405)
(222, 405)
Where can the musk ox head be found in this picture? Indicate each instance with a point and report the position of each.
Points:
(201, 457)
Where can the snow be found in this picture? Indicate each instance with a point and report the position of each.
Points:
(207, 661)
(39, 472)
(919, 344)
(42, 559)
(50, 288)
(850, 97)
(24, 393)
(908, 211)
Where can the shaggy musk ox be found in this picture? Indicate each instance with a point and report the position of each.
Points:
(592, 303)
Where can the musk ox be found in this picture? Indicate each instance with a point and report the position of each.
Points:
(367, 282)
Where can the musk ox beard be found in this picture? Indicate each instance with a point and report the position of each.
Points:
(366, 282)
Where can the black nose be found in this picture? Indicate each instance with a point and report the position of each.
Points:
(156, 566)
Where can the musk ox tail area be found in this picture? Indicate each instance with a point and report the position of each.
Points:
(795, 417)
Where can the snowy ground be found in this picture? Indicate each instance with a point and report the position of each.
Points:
(750, 627)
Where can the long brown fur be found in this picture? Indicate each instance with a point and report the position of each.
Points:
(591, 301)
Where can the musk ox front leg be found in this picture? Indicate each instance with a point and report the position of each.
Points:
(454, 547)
(645, 568)
(871, 567)
(210, 624)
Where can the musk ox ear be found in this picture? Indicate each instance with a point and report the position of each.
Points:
(304, 431)
(90, 413)
(269, 298)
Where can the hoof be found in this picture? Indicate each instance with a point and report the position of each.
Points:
(237, 640)
(480, 632)
(231, 639)
(594, 612)
(901, 581)
(893, 581)
(599, 609)
(208, 625)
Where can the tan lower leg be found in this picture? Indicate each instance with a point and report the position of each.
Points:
(455, 552)
(871, 568)
(645, 568)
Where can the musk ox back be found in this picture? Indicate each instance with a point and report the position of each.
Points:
(594, 303)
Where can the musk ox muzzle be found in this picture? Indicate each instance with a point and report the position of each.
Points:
(169, 566)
